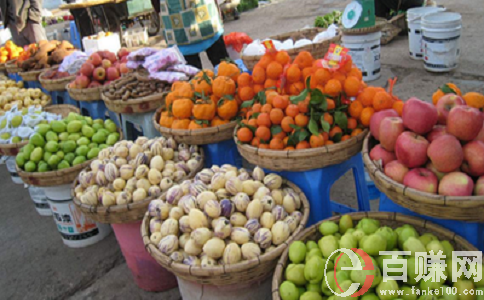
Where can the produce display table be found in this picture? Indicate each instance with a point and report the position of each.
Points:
(62, 97)
(224, 152)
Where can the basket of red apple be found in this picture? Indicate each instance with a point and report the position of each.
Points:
(54, 80)
(100, 69)
(431, 160)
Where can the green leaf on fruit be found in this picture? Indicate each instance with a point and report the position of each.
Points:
(340, 119)
(325, 125)
(300, 97)
(337, 137)
(446, 89)
(245, 104)
(275, 130)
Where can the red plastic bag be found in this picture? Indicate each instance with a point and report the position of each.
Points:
(237, 40)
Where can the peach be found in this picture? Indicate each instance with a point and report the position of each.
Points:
(456, 184)
(464, 122)
(396, 171)
(422, 180)
(378, 153)
(474, 158)
(390, 129)
(437, 131)
(411, 149)
(376, 120)
(446, 153)
(445, 104)
(419, 116)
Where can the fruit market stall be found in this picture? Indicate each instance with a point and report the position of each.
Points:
(118, 186)
(213, 244)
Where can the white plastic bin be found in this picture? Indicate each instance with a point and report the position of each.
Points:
(414, 18)
(365, 51)
(40, 200)
(110, 43)
(12, 169)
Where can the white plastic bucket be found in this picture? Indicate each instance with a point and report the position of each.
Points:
(41, 205)
(11, 167)
(365, 52)
(75, 228)
(414, 17)
(441, 41)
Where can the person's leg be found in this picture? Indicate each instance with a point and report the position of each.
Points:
(34, 32)
(217, 52)
(156, 5)
(194, 60)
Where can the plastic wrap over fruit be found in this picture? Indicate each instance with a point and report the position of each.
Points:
(214, 248)
(272, 181)
(174, 194)
(263, 237)
(280, 232)
(201, 235)
(187, 69)
(240, 235)
(279, 213)
(168, 244)
(223, 228)
(252, 225)
(232, 254)
(250, 250)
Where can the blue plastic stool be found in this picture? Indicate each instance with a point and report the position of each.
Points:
(316, 185)
(14, 76)
(135, 125)
(75, 37)
(221, 153)
(373, 192)
(473, 232)
(62, 97)
(98, 110)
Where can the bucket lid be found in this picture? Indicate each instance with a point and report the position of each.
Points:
(442, 19)
(352, 14)
(418, 12)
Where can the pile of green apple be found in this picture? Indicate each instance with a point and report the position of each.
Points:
(304, 275)
(66, 143)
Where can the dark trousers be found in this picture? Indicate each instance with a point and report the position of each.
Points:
(216, 53)
(383, 7)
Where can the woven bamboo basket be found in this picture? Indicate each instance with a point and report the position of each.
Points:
(379, 24)
(210, 135)
(301, 160)
(58, 177)
(392, 220)
(13, 149)
(256, 269)
(3, 67)
(90, 94)
(135, 106)
(11, 66)
(53, 85)
(317, 50)
(470, 209)
(31, 75)
(390, 30)
(122, 213)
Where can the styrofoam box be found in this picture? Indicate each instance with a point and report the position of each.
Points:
(110, 43)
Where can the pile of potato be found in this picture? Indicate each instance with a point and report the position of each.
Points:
(49, 53)
(132, 171)
(13, 93)
(133, 87)
(223, 216)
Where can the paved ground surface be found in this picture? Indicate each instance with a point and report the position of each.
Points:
(35, 264)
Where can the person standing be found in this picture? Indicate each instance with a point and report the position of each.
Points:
(194, 26)
(24, 19)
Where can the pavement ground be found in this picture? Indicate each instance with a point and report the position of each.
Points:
(36, 265)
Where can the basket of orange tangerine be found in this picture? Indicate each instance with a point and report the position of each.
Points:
(204, 110)
(307, 116)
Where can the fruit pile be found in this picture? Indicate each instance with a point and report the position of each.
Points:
(434, 149)
(305, 105)
(14, 94)
(69, 142)
(133, 171)
(102, 67)
(45, 55)
(133, 87)
(54, 74)
(224, 216)
(10, 51)
(304, 275)
(207, 100)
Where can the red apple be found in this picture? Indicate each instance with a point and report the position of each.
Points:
(111, 57)
(124, 59)
(438, 131)
(480, 136)
(378, 153)
(123, 52)
(474, 158)
(396, 171)
(106, 64)
(421, 179)
(95, 59)
(376, 120)
(82, 81)
(464, 122)
(112, 73)
(439, 175)
(411, 149)
(390, 129)
(419, 116)
(479, 188)
(94, 84)
(446, 153)
(123, 69)
(99, 74)
(445, 104)
(456, 184)
(87, 68)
